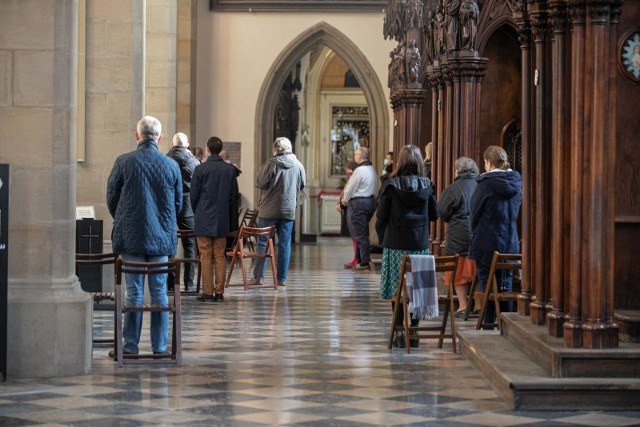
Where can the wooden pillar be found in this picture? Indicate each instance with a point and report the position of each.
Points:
(438, 148)
(433, 80)
(540, 208)
(470, 68)
(573, 321)
(528, 175)
(408, 105)
(560, 168)
(598, 330)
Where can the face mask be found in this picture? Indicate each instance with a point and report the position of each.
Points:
(386, 162)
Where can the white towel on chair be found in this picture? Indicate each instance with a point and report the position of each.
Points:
(422, 288)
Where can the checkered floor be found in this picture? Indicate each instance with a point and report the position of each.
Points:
(311, 354)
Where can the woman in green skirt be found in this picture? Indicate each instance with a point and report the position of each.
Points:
(406, 204)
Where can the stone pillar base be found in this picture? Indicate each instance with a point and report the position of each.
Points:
(49, 329)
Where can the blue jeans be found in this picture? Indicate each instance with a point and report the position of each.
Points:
(505, 284)
(284, 227)
(135, 296)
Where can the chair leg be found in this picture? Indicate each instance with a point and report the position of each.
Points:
(274, 269)
(405, 321)
(471, 298)
(117, 345)
(485, 303)
(394, 319)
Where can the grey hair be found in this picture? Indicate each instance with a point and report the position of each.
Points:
(364, 153)
(465, 164)
(149, 128)
(180, 140)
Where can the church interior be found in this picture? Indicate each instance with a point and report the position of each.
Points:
(556, 83)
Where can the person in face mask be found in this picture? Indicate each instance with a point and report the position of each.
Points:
(388, 167)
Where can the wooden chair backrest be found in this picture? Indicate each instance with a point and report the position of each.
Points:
(246, 231)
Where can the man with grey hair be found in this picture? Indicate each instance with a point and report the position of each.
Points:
(281, 179)
(359, 197)
(144, 194)
(187, 163)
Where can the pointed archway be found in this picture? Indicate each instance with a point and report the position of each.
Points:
(321, 34)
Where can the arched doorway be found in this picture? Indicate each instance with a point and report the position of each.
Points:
(321, 38)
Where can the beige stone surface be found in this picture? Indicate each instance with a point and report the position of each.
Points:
(114, 10)
(161, 74)
(18, 18)
(161, 47)
(118, 39)
(108, 75)
(118, 111)
(33, 78)
(161, 18)
(6, 65)
(17, 124)
(95, 110)
(96, 38)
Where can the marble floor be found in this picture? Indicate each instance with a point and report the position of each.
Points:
(311, 354)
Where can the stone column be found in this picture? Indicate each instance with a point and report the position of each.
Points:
(49, 316)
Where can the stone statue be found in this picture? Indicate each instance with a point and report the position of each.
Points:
(452, 10)
(469, 22)
(412, 62)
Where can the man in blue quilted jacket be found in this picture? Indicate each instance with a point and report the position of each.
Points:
(144, 194)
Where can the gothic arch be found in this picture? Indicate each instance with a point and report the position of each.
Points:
(494, 14)
(321, 33)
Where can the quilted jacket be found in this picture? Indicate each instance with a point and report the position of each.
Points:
(187, 163)
(494, 212)
(454, 207)
(144, 193)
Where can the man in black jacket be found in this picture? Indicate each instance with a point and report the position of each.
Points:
(187, 163)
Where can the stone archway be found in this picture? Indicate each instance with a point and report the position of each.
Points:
(334, 39)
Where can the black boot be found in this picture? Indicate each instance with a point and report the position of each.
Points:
(399, 340)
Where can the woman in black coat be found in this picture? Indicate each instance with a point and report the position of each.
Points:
(454, 207)
(494, 212)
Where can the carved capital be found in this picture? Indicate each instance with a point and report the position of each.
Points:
(524, 35)
(469, 69)
(539, 28)
(559, 20)
(576, 11)
(598, 11)
(616, 6)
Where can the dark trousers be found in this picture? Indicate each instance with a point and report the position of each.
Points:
(359, 213)
(505, 284)
(189, 249)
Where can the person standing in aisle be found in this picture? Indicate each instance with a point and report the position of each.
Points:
(213, 190)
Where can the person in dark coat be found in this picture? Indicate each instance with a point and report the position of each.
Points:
(494, 212)
(406, 205)
(144, 195)
(213, 191)
(454, 209)
(187, 163)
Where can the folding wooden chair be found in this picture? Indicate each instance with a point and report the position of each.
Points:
(238, 255)
(147, 268)
(499, 262)
(443, 264)
(177, 281)
(102, 301)
(249, 219)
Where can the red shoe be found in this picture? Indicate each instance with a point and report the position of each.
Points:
(350, 265)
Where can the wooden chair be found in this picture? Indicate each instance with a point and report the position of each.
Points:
(499, 262)
(443, 264)
(238, 255)
(147, 268)
(102, 301)
(249, 219)
(177, 281)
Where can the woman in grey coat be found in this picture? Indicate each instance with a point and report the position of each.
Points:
(454, 210)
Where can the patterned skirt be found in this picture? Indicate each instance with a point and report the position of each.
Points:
(391, 265)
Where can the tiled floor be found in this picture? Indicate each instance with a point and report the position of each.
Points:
(311, 354)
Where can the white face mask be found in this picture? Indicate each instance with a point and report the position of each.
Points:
(386, 162)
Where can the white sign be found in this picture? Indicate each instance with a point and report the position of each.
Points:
(85, 212)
